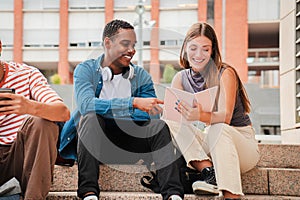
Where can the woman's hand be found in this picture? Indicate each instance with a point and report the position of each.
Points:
(188, 112)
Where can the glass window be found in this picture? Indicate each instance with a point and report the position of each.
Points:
(130, 4)
(260, 10)
(37, 32)
(40, 37)
(95, 4)
(270, 78)
(270, 130)
(86, 4)
(254, 77)
(179, 4)
(166, 19)
(8, 23)
(80, 30)
(171, 42)
(129, 16)
(95, 44)
(146, 43)
(40, 4)
(41, 20)
(32, 4)
(210, 12)
(7, 5)
(265, 78)
(7, 37)
(52, 4)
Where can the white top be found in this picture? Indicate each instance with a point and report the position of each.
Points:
(119, 87)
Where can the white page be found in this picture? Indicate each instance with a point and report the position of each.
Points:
(206, 98)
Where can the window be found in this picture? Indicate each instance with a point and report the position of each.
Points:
(170, 42)
(95, 44)
(146, 43)
(7, 28)
(263, 66)
(270, 130)
(80, 30)
(257, 10)
(210, 12)
(179, 4)
(7, 5)
(37, 33)
(41, 4)
(86, 4)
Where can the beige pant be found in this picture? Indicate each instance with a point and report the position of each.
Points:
(233, 150)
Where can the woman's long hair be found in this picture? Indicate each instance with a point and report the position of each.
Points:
(213, 69)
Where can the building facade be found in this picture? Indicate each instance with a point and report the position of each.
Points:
(56, 35)
(290, 71)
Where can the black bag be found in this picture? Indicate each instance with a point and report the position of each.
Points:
(187, 176)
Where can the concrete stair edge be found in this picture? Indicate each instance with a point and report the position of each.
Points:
(272, 155)
(261, 181)
(276, 174)
(153, 196)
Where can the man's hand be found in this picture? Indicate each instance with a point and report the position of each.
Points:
(150, 105)
(20, 105)
(17, 104)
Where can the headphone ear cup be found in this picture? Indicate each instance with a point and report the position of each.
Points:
(131, 72)
(107, 74)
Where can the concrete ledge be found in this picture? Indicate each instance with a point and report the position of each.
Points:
(255, 181)
(279, 156)
(268, 139)
(284, 182)
(126, 178)
(152, 196)
(277, 173)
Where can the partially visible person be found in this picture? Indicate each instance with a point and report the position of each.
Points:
(115, 99)
(28, 128)
(228, 148)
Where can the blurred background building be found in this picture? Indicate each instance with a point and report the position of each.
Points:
(290, 71)
(56, 35)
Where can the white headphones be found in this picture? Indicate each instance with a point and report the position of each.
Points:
(108, 75)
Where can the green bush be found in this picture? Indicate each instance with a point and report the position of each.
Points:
(169, 73)
(55, 79)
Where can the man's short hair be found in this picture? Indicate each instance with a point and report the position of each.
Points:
(113, 27)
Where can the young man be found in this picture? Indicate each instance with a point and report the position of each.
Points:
(28, 132)
(115, 127)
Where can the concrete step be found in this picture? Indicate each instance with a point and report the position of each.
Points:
(152, 196)
(279, 156)
(126, 178)
(277, 173)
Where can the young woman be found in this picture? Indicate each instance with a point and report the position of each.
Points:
(228, 146)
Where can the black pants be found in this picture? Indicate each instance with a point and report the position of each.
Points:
(107, 141)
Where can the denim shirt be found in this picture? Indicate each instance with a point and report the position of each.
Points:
(88, 79)
(87, 88)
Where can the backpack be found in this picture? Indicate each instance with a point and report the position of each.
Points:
(187, 177)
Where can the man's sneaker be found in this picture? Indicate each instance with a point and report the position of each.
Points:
(91, 197)
(208, 184)
(175, 197)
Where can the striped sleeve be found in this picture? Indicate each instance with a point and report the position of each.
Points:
(40, 89)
